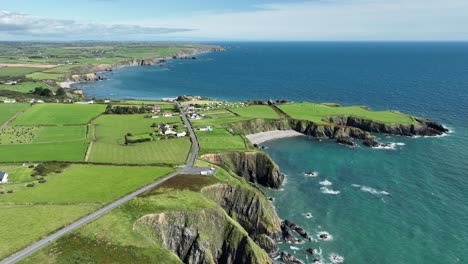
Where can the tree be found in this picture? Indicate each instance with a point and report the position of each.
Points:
(60, 92)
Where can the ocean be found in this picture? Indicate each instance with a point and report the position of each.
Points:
(408, 204)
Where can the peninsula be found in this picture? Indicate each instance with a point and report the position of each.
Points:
(175, 180)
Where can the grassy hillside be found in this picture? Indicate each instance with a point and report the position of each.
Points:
(316, 112)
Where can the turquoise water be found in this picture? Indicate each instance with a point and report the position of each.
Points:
(411, 205)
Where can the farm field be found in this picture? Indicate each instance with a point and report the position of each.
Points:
(85, 184)
(41, 134)
(316, 112)
(218, 118)
(24, 87)
(113, 128)
(9, 110)
(44, 76)
(59, 114)
(63, 198)
(28, 223)
(70, 151)
(219, 140)
(16, 71)
(169, 151)
(256, 111)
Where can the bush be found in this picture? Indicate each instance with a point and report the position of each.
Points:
(30, 185)
(44, 169)
(10, 191)
(42, 180)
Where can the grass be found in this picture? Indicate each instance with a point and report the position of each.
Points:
(219, 140)
(16, 172)
(44, 76)
(256, 111)
(24, 224)
(316, 112)
(110, 133)
(86, 184)
(59, 114)
(70, 151)
(16, 71)
(170, 151)
(24, 87)
(9, 110)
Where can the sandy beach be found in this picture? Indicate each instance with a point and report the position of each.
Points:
(261, 137)
(66, 84)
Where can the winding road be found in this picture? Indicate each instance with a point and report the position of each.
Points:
(45, 241)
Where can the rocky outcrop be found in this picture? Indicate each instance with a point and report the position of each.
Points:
(256, 167)
(203, 236)
(259, 125)
(251, 209)
(420, 126)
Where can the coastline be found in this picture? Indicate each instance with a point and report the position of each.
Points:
(84, 77)
(262, 137)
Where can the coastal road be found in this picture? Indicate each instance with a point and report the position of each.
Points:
(45, 241)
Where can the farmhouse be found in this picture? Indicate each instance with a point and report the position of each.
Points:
(3, 177)
(166, 114)
(155, 109)
(206, 128)
(181, 134)
(11, 83)
(85, 103)
(9, 101)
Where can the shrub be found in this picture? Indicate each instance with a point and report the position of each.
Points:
(44, 169)
(10, 191)
(30, 185)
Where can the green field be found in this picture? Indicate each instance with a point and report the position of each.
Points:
(219, 140)
(25, 87)
(169, 151)
(28, 223)
(86, 184)
(16, 71)
(316, 112)
(70, 151)
(59, 114)
(44, 76)
(16, 172)
(256, 111)
(9, 110)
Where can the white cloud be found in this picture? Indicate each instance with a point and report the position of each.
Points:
(332, 20)
(16, 25)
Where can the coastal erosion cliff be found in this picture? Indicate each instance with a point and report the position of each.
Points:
(255, 167)
(344, 129)
(202, 236)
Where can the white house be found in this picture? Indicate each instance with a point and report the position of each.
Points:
(181, 134)
(166, 114)
(88, 102)
(3, 177)
(207, 128)
(9, 101)
(11, 83)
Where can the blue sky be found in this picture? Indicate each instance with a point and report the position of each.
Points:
(211, 20)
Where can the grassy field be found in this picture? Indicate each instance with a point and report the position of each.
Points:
(9, 110)
(70, 151)
(86, 184)
(256, 111)
(16, 172)
(316, 112)
(24, 224)
(24, 87)
(44, 76)
(219, 140)
(16, 71)
(59, 114)
(170, 151)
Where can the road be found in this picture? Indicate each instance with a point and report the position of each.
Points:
(11, 119)
(45, 241)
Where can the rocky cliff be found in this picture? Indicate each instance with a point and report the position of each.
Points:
(256, 167)
(251, 209)
(420, 127)
(202, 236)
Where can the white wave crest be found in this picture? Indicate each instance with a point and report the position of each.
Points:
(294, 248)
(328, 191)
(324, 235)
(334, 258)
(370, 190)
(389, 145)
(325, 183)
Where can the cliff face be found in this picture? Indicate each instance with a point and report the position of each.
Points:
(203, 236)
(421, 127)
(256, 167)
(251, 210)
(259, 125)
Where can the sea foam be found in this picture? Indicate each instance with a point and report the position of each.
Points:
(325, 183)
(328, 191)
(370, 190)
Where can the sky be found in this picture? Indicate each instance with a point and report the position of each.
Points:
(234, 20)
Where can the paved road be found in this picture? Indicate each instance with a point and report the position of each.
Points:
(45, 241)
